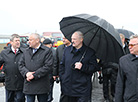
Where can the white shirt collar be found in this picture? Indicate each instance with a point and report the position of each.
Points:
(14, 49)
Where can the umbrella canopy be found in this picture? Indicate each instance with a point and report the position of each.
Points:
(126, 33)
(98, 35)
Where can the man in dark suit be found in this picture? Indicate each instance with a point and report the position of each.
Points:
(35, 65)
(124, 43)
(48, 43)
(59, 55)
(127, 79)
(75, 75)
(9, 58)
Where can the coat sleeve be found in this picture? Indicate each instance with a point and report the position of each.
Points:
(90, 67)
(56, 64)
(120, 85)
(21, 65)
(62, 66)
(47, 66)
(2, 62)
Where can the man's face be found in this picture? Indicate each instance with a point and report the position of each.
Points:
(76, 40)
(15, 43)
(65, 41)
(133, 46)
(48, 45)
(33, 42)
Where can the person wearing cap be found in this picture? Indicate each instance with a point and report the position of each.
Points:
(48, 43)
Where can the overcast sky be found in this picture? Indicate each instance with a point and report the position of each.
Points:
(29, 16)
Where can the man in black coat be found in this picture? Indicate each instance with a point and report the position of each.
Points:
(109, 72)
(48, 43)
(13, 79)
(124, 43)
(35, 65)
(59, 55)
(75, 75)
(127, 79)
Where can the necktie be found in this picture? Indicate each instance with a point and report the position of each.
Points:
(15, 51)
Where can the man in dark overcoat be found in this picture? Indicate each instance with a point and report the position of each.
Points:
(13, 79)
(127, 79)
(75, 75)
(35, 65)
(59, 55)
(48, 43)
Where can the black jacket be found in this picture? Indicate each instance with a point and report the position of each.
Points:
(127, 79)
(13, 78)
(59, 54)
(77, 82)
(41, 63)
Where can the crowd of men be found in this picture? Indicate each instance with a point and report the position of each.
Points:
(31, 71)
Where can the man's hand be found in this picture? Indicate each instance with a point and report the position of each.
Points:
(78, 65)
(54, 77)
(29, 76)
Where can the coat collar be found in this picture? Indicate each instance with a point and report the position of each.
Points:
(10, 50)
(81, 50)
(31, 49)
(133, 57)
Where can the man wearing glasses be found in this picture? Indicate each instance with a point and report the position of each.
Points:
(127, 80)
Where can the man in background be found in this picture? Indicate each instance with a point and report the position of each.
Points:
(124, 43)
(48, 43)
(59, 55)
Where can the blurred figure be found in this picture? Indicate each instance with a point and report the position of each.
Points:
(35, 65)
(13, 79)
(75, 75)
(48, 43)
(127, 79)
(124, 43)
(59, 55)
(42, 39)
(109, 72)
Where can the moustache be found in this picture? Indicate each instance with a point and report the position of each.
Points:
(72, 43)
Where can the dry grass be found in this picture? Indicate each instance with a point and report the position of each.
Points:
(2, 47)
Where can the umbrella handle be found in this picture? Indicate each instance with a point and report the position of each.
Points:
(83, 55)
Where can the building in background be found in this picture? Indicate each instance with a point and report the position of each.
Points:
(56, 37)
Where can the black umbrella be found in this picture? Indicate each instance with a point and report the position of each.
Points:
(126, 33)
(98, 34)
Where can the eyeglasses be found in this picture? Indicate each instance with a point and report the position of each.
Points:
(132, 45)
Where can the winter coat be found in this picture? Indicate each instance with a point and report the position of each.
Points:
(77, 82)
(41, 63)
(127, 79)
(59, 54)
(13, 78)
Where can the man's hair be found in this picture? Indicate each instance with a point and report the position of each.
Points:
(80, 34)
(122, 36)
(37, 36)
(14, 36)
(134, 36)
